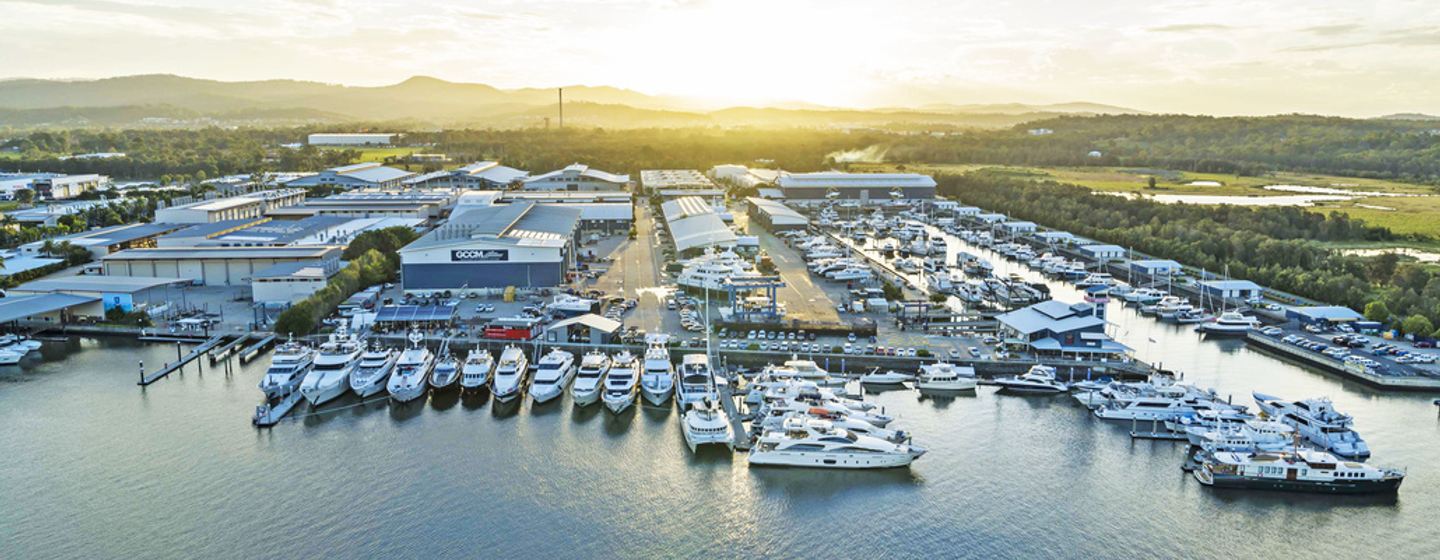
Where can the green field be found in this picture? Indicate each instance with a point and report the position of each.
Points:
(379, 154)
(1411, 215)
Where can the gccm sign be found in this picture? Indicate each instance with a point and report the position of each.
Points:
(479, 255)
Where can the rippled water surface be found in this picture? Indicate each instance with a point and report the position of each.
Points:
(95, 467)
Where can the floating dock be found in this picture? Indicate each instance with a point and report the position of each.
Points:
(732, 411)
(271, 413)
(256, 349)
(167, 369)
(224, 351)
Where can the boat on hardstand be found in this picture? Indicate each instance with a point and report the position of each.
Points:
(329, 377)
(475, 373)
(657, 379)
(590, 378)
(1040, 379)
(622, 382)
(373, 371)
(510, 374)
(288, 366)
(1304, 470)
(408, 382)
(818, 444)
(552, 373)
(1318, 422)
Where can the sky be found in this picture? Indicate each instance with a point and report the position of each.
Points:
(1342, 57)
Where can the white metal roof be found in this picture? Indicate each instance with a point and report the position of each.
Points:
(839, 180)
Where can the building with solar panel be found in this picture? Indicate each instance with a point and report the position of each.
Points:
(523, 244)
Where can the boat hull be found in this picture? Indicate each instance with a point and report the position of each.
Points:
(618, 405)
(585, 398)
(365, 387)
(656, 397)
(1383, 486)
(324, 391)
(829, 460)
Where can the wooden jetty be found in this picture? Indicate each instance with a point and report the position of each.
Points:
(167, 369)
(732, 411)
(1157, 431)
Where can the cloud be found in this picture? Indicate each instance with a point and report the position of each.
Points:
(1190, 28)
(1425, 37)
(1332, 30)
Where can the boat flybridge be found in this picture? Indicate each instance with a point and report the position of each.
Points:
(816, 443)
(1318, 422)
(590, 378)
(1040, 379)
(330, 375)
(407, 383)
(510, 374)
(288, 366)
(554, 371)
(622, 382)
(373, 371)
(706, 423)
(657, 379)
(475, 373)
(944, 378)
(694, 381)
(1229, 323)
(447, 369)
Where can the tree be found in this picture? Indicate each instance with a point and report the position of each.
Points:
(25, 196)
(1150, 183)
(1377, 311)
(1417, 325)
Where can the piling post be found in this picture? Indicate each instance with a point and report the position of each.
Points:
(142, 371)
(179, 356)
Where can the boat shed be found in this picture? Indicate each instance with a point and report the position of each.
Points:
(694, 226)
(49, 308)
(292, 281)
(775, 216)
(1018, 227)
(1326, 315)
(965, 211)
(355, 176)
(1103, 253)
(1154, 268)
(589, 327)
(524, 245)
(115, 292)
(991, 218)
(1056, 328)
(1056, 237)
(1231, 290)
(211, 266)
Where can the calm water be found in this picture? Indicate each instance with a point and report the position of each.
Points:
(95, 467)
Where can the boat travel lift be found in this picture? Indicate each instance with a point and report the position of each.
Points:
(738, 288)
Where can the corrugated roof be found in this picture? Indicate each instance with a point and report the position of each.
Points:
(536, 224)
(1232, 285)
(589, 320)
(701, 231)
(777, 210)
(111, 284)
(312, 252)
(1053, 315)
(14, 308)
(379, 174)
(288, 269)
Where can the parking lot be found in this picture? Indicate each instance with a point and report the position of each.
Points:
(1385, 357)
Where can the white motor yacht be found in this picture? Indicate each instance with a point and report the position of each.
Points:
(329, 377)
(889, 378)
(475, 373)
(804, 370)
(288, 366)
(1144, 296)
(1229, 323)
(552, 373)
(1164, 408)
(373, 371)
(657, 379)
(706, 423)
(408, 382)
(1318, 422)
(1296, 471)
(694, 380)
(590, 378)
(510, 374)
(943, 378)
(818, 444)
(1040, 379)
(622, 382)
(774, 419)
(567, 304)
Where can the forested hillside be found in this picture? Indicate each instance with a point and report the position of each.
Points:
(1378, 148)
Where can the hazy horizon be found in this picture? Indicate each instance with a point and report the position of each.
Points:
(1175, 56)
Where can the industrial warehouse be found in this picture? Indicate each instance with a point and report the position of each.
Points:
(815, 187)
(525, 245)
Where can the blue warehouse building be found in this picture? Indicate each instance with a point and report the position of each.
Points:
(524, 245)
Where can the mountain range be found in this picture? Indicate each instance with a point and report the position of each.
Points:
(167, 100)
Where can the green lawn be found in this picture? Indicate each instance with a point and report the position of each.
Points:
(379, 154)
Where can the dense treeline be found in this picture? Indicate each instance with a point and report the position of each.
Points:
(368, 269)
(1391, 149)
(1274, 246)
(215, 152)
